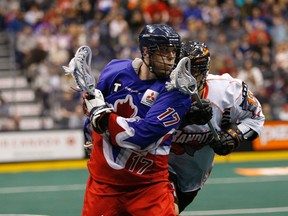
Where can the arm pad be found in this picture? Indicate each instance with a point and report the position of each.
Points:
(99, 118)
(248, 133)
(98, 109)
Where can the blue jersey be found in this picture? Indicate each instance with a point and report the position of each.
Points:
(135, 149)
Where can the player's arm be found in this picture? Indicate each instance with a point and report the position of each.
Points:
(250, 118)
(155, 128)
(243, 121)
(140, 133)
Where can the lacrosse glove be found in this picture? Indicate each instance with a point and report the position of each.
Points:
(230, 139)
(199, 115)
(98, 110)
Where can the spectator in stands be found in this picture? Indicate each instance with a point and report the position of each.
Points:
(156, 11)
(9, 120)
(68, 24)
(4, 108)
(33, 15)
(252, 75)
(25, 42)
(193, 10)
(281, 57)
(228, 67)
(119, 30)
(279, 28)
(234, 30)
(77, 119)
(175, 14)
(16, 21)
(68, 107)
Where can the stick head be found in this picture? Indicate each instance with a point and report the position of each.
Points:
(80, 68)
(182, 79)
(82, 72)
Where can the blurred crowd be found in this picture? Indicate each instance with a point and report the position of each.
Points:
(247, 39)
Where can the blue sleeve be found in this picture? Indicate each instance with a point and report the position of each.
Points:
(164, 116)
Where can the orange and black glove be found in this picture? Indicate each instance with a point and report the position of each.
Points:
(230, 139)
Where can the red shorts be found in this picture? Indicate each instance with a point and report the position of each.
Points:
(105, 200)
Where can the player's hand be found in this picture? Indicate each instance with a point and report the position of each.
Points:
(229, 141)
(96, 107)
(199, 115)
(92, 101)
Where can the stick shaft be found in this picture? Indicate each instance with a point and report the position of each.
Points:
(214, 132)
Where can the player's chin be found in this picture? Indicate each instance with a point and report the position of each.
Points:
(163, 70)
(166, 68)
(162, 74)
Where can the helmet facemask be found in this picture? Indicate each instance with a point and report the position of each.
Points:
(200, 70)
(200, 61)
(160, 60)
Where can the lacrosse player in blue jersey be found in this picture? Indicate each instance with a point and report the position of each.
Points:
(133, 116)
(234, 112)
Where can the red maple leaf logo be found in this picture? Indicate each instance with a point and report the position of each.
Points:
(125, 107)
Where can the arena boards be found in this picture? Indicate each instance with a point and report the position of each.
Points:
(81, 164)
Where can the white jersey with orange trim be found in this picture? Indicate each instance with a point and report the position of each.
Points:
(230, 99)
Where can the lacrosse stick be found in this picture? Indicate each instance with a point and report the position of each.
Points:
(80, 68)
(183, 80)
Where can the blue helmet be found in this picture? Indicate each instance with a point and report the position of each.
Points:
(159, 34)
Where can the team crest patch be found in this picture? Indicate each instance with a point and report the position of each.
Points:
(149, 97)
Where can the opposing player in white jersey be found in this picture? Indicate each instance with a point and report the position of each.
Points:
(235, 113)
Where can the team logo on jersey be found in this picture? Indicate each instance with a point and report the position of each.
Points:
(194, 140)
(117, 86)
(249, 102)
(149, 97)
(125, 107)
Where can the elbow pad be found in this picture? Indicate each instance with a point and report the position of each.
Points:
(248, 133)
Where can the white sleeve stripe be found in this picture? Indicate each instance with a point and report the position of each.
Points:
(243, 128)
